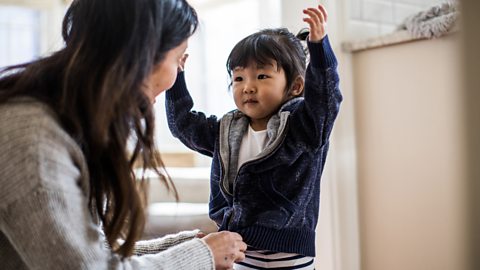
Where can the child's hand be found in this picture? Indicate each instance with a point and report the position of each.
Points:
(317, 21)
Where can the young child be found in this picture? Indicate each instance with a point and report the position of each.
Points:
(269, 153)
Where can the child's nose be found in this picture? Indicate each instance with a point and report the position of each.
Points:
(249, 88)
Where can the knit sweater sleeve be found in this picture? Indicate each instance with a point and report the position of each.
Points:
(44, 211)
(160, 244)
(322, 96)
(194, 129)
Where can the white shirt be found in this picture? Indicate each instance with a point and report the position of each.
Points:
(253, 142)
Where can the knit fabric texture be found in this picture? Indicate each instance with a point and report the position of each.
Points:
(45, 222)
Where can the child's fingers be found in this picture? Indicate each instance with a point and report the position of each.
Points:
(310, 22)
(323, 10)
(312, 16)
(308, 19)
(316, 19)
(317, 14)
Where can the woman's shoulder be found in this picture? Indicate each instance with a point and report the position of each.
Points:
(35, 150)
(27, 120)
(25, 112)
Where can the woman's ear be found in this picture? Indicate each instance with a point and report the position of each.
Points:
(297, 86)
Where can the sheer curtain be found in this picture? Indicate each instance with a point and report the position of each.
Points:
(29, 29)
(19, 34)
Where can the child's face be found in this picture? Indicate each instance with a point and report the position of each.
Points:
(259, 91)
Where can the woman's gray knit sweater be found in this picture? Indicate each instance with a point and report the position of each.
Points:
(45, 222)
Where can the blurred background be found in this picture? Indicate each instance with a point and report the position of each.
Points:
(400, 185)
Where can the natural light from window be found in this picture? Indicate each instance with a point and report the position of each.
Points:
(19, 35)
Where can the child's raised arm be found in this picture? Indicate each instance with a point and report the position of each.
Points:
(317, 21)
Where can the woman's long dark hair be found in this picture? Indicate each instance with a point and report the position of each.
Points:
(95, 84)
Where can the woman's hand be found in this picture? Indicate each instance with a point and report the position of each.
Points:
(227, 248)
(200, 234)
(317, 22)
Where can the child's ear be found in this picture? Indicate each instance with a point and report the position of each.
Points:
(297, 86)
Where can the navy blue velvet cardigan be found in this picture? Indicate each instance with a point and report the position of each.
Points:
(273, 200)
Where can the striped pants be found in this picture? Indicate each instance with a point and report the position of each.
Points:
(259, 259)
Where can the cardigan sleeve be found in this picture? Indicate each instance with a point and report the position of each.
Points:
(322, 96)
(44, 211)
(194, 129)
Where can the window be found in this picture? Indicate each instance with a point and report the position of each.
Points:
(26, 31)
(19, 35)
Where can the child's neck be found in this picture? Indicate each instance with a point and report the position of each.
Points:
(258, 126)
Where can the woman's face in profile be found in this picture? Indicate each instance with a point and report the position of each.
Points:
(164, 74)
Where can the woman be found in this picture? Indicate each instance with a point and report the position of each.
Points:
(69, 197)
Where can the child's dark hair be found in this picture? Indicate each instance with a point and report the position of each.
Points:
(278, 44)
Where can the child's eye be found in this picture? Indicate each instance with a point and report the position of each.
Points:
(237, 79)
(262, 76)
